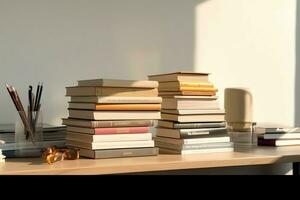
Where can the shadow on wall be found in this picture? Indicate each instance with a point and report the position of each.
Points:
(59, 42)
(297, 78)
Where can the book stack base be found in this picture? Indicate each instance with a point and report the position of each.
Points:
(112, 118)
(192, 121)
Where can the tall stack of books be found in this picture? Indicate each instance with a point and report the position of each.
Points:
(277, 135)
(192, 121)
(2, 157)
(112, 118)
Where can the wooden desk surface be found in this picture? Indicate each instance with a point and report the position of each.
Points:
(242, 157)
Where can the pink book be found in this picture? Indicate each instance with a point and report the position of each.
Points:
(103, 131)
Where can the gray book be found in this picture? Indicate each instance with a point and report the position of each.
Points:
(176, 125)
(118, 153)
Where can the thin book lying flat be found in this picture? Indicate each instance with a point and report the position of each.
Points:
(107, 124)
(190, 104)
(195, 125)
(194, 118)
(111, 145)
(117, 92)
(180, 76)
(200, 151)
(113, 115)
(117, 100)
(92, 106)
(119, 153)
(119, 83)
(108, 131)
(108, 138)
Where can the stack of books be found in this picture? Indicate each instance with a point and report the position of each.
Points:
(2, 157)
(192, 121)
(112, 118)
(268, 135)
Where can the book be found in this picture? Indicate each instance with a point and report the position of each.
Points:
(108, 138)
(113, 115)
(192, 112)
(107, 124)
(180, 76)
(186, 93)
(281, 136)
(108, 131)
(119, 153)
(193, 140)
(93, 106)
(117, 92)
(193, 146)
(189, 133)
(179, 84)
(200, 151)
(117, 100)
(193, 118)
(176, 125)
(186, 88)
(189, 104)
(119, 83)
(277, 143)
(111, 145)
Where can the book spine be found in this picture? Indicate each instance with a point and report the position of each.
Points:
(196, 84)
(100, 131)
(129, 107)
(198, 89)
(108, 124)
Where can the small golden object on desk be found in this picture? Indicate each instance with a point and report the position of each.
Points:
(52, 154)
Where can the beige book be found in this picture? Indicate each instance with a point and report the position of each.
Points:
(193, 118)
(188, 104)
(111, 145)
(81, 137)
(179, 84)
(116, 100)
(185, 93)
(180, 76)
(119, 83)
(107, 124)
(93, 106)
(110, 91)
(113, 115)
(193, 112)
(119, 153)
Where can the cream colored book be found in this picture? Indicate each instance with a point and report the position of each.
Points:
(111, 145)
(180, 76)
(193, 118)
(193, 140)
(190, 104)
(119, 83)
(193, 112)
(109, 91)
(113, 115)
(197, 151)
(115, 100)
(108, 138)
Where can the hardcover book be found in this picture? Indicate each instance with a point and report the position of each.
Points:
(92, 106)
(117, 100)
(119, 153)
(176, 125)
(118, 92)
(119, 83)
(107, 124)
(108, 131)
(193, 118)
(180, 76)
(190, 104)
(113, 115)
(108, 138)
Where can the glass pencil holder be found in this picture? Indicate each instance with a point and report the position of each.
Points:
(29, 134)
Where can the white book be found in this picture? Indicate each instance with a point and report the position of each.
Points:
(108, 138)
(200, 151)
(119, 83)
(282, 136)
(111, 145)
(192, 141)
(115, 100)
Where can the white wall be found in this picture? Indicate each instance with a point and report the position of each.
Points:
(61, 41)
(251, 44)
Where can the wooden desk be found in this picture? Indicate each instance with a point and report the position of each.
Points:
(242, 157)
